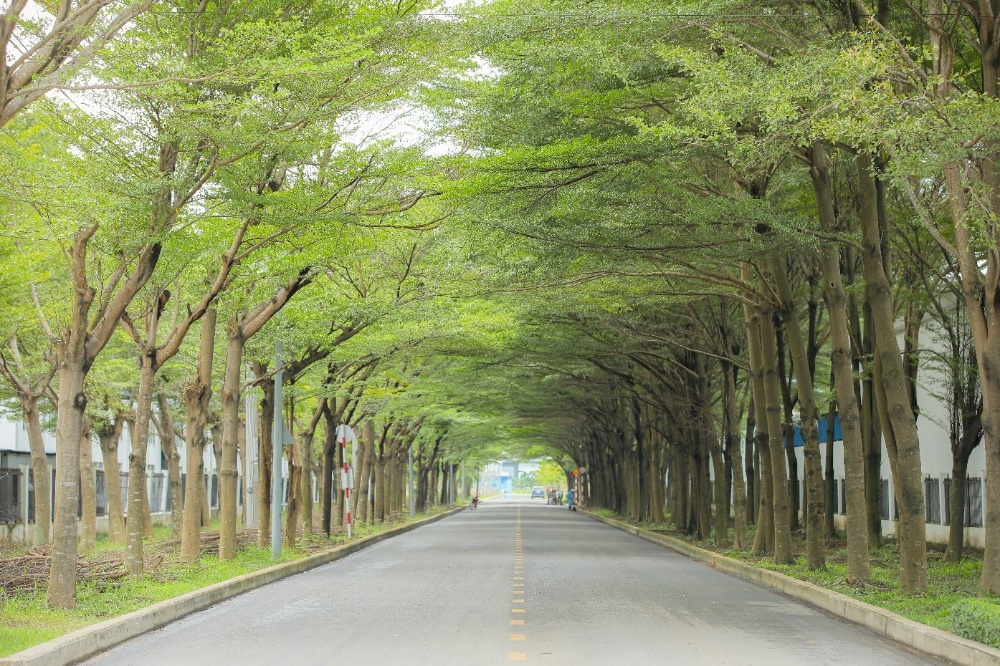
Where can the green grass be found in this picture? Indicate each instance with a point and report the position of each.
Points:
(26, 620)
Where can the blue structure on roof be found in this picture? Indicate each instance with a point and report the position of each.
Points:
(838, 435)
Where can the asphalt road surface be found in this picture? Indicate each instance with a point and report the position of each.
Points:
(513, 581)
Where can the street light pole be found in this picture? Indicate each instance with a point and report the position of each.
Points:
(277, 434)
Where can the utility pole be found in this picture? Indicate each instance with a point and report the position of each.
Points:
(277, 436)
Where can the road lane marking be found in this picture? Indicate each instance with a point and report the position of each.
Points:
(518, 593)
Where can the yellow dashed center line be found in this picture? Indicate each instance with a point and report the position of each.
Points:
(518, 594)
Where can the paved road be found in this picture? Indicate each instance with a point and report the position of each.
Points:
(513, 581)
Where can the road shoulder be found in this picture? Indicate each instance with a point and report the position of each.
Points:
(86, 642)
(886, 623)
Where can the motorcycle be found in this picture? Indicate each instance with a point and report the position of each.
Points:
(474, 503)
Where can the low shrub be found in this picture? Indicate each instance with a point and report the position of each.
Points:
(977, 620)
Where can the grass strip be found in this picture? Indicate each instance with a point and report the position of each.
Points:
(26, 619)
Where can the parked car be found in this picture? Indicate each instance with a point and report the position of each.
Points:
(537, 491)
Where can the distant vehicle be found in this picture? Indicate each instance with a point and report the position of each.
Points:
(537, 491)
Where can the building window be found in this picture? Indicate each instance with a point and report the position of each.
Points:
(932, 500)
(946, 518)
(215, 492)
(101, 491)
(10, 492)
(156, 494)
(974, 503)
(883, 499)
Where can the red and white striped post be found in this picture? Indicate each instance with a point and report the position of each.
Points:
(347, 485)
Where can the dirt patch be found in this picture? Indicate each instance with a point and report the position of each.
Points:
(26, 573)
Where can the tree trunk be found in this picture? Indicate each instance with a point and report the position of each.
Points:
(230, 424)
(88, 491)
(40, 469)
(810, 417)
(764, 539)
(168, 441)
(265, 451)
(360, 501)
(748, 459)
(326, 481)
(294, 497)
(711, 438)
(109, 436)
(72, 405)
(901, 436)
(379, 490)
(733, 445)
(357, 504)
(137, 502)
(197, 396)
(779, 476)
(956, 515)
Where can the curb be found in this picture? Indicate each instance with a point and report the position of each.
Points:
(921, 637)
(86, 642)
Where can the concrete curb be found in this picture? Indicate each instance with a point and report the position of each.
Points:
(86, 642)
(885, 623)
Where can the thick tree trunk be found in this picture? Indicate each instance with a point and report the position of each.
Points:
(197, 396)
(88, 491)
(39, 469)
(230, 424)
(265, 451)
(764, 538)
(72, 405)
(901, 435)
(841, 355)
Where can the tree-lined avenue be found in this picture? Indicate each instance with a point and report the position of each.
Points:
(444, 594)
